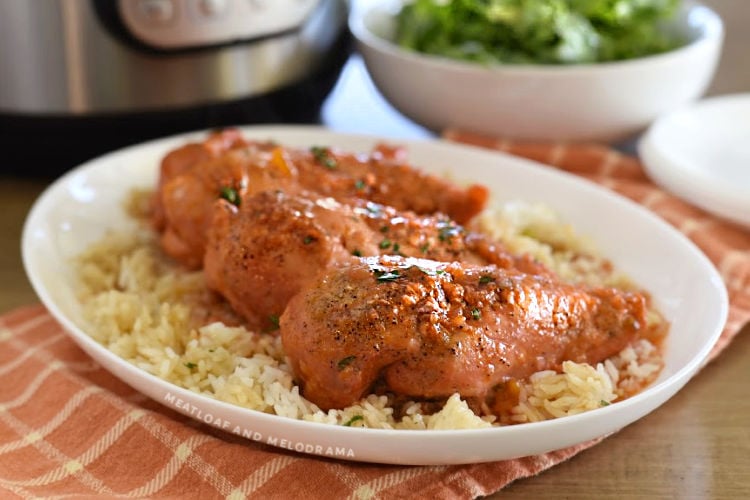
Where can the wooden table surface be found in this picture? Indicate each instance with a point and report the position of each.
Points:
(697, 445)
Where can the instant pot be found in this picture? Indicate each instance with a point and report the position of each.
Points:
(82, 77)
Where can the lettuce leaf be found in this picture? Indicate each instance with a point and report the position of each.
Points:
(536, 31)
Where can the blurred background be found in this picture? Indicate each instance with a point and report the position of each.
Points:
(733, 75)
(82, 77)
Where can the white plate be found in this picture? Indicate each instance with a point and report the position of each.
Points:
(78, 208)
(702, 154)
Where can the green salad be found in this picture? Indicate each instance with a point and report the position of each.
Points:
(536, 31)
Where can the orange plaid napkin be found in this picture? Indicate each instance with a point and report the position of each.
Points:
(69, 428)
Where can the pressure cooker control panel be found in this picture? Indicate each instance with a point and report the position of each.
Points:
(182, 24)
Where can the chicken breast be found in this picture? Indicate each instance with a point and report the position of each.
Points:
(426, 329)
(260, 254)
(182, 159)
(227, 166)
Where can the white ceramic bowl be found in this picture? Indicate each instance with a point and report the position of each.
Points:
(81, 206)
(602, 102)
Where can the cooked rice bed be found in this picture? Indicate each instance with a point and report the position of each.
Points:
(141, 307)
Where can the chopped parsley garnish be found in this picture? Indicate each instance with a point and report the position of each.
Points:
(230, 194)
(396, 247)
(323, 157)
(483, 280)
(357, 253)
(430, 272)
(424, 248)
(475, 313)
(384, 229)
(385, 244)
(343, 363)
(308, 239)
(274, 320)
(373, 208)
(384, 276)
(360, 184)
(355, 418)
(191, 365)
(446, 231)
(604, 403)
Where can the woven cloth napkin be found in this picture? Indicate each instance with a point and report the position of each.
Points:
(69, 428)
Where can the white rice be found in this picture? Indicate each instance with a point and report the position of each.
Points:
(139, 306)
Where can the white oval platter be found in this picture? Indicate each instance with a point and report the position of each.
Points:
(83, 204)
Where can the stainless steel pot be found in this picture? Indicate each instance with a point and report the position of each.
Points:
(82, 77)
(94, 56)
